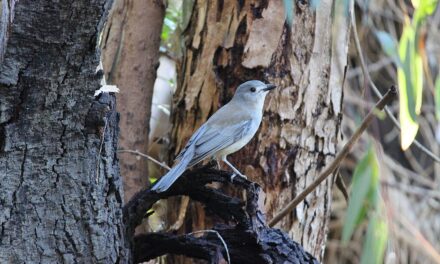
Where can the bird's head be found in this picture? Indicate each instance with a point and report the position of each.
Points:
(252, 92)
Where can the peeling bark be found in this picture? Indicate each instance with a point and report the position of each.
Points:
(229, 42)
(61, 192)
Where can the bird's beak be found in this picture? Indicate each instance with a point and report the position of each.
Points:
(269, 87)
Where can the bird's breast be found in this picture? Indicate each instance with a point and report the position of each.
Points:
(239, 143)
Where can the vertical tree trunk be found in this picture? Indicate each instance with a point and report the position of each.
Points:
(130, 58)
(229, 42)
(61, 193)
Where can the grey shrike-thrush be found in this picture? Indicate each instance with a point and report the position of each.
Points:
(225, 132)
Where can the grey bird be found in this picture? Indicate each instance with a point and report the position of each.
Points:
(226, 131)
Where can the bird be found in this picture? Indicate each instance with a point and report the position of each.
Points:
(229, 129)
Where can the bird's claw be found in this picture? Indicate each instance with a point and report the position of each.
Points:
(235, 175)
(232, 177)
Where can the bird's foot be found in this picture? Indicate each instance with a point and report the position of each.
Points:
(235, 175)
(232, 177)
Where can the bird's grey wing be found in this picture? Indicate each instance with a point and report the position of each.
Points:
(205, 142)
(215, 139)
(185, 157)
(193, 138)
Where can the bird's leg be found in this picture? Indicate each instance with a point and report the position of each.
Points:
(236, 172)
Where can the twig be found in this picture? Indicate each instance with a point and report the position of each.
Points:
(219, 237)
(415, 234)
(421, 192)
(182, 213)
(341, 186)
(377, 66)
(416, 166)
(155, 161)
(378, 93)
(389, 96)
(401, 172)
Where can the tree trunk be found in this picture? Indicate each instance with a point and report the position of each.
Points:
(130, 58)
(229, 42)
(61, 193)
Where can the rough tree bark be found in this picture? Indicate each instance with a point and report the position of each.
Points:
(61, 193)
(228, 42)
(130, 45)
(243, 236)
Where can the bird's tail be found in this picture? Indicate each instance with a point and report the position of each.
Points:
(168, 179)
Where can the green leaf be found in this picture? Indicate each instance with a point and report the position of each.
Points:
(170, 23)
(364, 192)
(437, 98)
(388, 44)
(288, 11)
(427, 7)
(423, 9)
(375, 242)
(410, 80)
(171, 28)
(165, 33)
(410, 72)
(379, 114)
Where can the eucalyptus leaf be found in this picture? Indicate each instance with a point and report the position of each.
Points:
(376, 241)
(388, 44)
(410, 80)
(364, 192)
(423, 9)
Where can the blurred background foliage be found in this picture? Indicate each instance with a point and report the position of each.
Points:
(393, 211)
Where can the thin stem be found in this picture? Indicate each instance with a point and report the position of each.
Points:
(162, 164)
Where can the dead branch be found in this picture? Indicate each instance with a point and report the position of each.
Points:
(157, 244)
(243, 226)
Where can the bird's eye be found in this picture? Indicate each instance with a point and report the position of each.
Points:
(253, 89)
